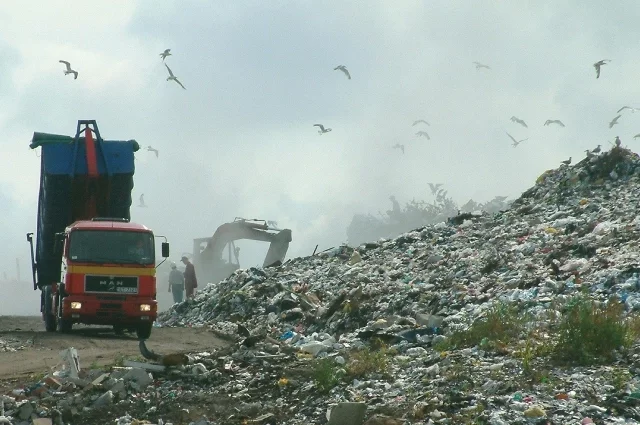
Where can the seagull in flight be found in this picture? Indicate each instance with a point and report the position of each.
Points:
(166, 53)
(322, 129)
(516, 142)
(423, 134)
(173, 77)
(150, 149)
(343, 69)
(547, 122)
(416, 122)
(435, 187)
(628, 107)
(69, 70)
(398, 146)
(598, 64)
(480, 65)
(519, 121)
(614, 121)
(142, 204)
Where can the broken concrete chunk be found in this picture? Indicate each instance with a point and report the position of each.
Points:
(104, 400)
(139, 376)
(25, 410)
(348, 414)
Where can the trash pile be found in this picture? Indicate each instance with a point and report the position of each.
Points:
(9, 344)
(372, 335)
(75, 395)
(575, 232)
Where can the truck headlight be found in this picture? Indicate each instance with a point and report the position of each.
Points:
(75, 305)
(145, 307)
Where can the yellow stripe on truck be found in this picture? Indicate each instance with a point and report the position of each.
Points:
(112, 271)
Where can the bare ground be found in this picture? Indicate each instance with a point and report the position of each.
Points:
(97, 346)
(187, 401)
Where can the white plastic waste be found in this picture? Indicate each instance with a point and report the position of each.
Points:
(71, 362)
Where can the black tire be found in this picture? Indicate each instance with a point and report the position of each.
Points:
(64, 325)
(118, 329)
(49, 318)
(144, 330)
(50, 323)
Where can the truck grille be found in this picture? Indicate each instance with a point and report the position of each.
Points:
(110, 314)
(111, 306)
(111, 297)
(111, 284)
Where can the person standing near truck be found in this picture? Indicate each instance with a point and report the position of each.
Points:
(190, 281)
(176, 283)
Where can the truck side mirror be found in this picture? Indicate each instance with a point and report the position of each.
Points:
(165, 249)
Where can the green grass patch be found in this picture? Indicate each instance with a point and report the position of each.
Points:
(501, 324)
(589, 333)
(369, 361)
(326, 374)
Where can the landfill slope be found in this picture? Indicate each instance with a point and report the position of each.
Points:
(374, 325)
(576, 228)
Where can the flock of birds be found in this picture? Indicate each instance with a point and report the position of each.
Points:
(440, 193)
(596, 151)
(590, 153)
(171, 77)
(422, 133)
(435, 188)
(322, 129)
(167, 52)
(515, 142)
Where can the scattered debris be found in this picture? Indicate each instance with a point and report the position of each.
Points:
(455, 322)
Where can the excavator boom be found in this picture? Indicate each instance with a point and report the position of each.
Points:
(212, 267)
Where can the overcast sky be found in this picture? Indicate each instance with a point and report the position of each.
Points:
(240, 140)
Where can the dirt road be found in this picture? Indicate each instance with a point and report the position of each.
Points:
(38, 351)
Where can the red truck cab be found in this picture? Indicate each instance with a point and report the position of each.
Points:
(108, 276)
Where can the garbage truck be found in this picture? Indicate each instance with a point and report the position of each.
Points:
(92, 264)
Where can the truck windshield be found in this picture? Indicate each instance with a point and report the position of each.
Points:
(111, 246)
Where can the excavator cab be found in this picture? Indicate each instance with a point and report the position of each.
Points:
(217, 257)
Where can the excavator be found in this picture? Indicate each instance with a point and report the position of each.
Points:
(208, 253)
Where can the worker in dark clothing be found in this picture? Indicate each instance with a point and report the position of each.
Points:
(190, 281)
(176, 283)
(396, 214)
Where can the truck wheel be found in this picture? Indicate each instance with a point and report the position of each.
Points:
(144, 330)
(50, 322)
(47, 314)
